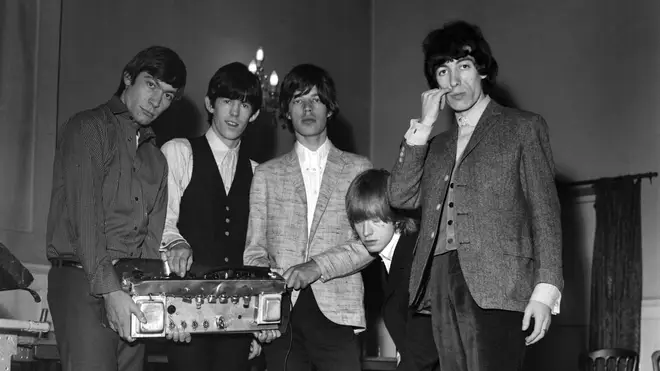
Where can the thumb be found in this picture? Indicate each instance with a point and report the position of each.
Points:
(526, 318)
(138, 313)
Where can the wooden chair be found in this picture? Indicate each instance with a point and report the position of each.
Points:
(655, 359)
(614, 359)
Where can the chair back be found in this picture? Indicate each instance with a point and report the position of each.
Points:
(613, 359)
(655, 359)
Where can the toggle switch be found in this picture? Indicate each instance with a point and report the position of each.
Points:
(220, 323)
(184, 325)
(194, 325)
(246, 301)
(223, 298)
(205, 324)
(234, 299)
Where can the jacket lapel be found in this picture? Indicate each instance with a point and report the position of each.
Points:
(332, 173)
(443, 156)
(490, 116)
(401, 262)
(295, 175)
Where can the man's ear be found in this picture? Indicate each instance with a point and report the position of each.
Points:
(209, 106)
(127, 79)
(254, 116)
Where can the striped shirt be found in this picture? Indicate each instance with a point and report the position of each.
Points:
(109, 195)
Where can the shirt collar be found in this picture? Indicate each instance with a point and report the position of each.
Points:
(388, 252)
(305, 154)
(217, 144)
(471, 117)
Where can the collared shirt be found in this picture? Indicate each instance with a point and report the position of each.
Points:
(109, 195)
(312, 164)
(387, 253)
(179, 155)
(418, 134)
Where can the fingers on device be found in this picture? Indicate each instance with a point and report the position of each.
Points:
(223, 300)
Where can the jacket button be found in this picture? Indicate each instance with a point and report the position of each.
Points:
(227, 220)
(438, 206)
(227, 233)
(226, 260)
(446, 178)
(432, 234)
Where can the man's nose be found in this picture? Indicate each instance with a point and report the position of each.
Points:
(367, 230)
(156, 99)
(454, 79)
(307, 106)
(234, 108)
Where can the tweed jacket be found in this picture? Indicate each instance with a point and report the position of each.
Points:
(277, 234)
(507, 210)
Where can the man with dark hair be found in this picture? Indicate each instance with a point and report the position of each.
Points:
(108, 201)
(391, 234)
(298, 227)
(488, 258)
(208, 206)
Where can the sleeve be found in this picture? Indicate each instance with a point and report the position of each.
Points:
(404, 183)
(178, 154)
(347, 258)
(157, 218)
(83, 165)
(256, 249)
(537, 177)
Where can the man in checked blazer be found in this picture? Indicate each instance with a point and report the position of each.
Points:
(299, 228)
(488, 258)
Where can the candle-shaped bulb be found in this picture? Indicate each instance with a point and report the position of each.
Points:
(253, 66)
(273, 79)
(260, 55)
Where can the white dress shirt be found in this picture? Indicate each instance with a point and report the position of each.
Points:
(387, 253)
(312, 164)
(418, 134)
(179, 155)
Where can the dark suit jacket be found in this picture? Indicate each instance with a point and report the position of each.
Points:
(507, 210)
(395, 290)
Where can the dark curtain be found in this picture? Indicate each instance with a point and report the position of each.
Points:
(616, 277)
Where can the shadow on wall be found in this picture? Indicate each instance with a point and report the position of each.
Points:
(182, 120)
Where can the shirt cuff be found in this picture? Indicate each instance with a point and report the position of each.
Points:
(549, 295)
(171, 239)
(418, 134)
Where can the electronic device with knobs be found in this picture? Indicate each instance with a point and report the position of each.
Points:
(206, 300)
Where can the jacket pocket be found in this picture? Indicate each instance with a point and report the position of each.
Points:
(519, 273)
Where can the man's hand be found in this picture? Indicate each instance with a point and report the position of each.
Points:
(266, 336)
(179, 257)
(542, 319)
(119, 306)
(255, 349)
(432, 102)
(302, 275)
(179, 336)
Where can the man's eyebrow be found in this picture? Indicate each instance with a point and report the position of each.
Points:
(466, 58)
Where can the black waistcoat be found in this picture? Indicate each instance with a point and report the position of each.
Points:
(214, 223)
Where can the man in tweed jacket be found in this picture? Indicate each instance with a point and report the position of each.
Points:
(299, 228)
(488, 258)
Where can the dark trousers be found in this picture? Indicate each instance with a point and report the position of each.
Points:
(419, 352)
(83, 342)
(312, 340)
(210, 352)
(469, 338)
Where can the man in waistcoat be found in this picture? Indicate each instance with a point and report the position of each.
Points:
(208, 207)
(488, 258)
